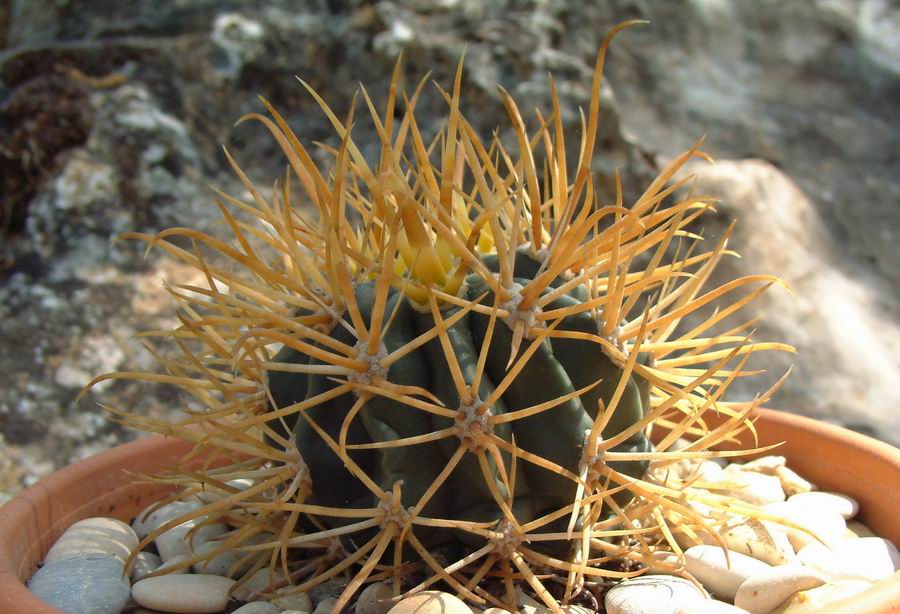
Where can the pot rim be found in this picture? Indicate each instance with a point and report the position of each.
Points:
(31, 521)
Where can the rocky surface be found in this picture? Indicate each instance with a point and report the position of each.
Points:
(111, 120)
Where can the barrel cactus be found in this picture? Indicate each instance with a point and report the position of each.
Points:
(444, 366)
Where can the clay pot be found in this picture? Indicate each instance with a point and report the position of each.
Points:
(832, 457)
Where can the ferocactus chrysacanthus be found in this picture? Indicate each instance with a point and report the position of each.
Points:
(450, 350)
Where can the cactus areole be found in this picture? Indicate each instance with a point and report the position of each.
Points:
(442, 366)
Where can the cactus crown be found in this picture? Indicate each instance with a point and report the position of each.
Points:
(451, 346)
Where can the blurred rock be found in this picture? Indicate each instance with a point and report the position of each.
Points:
(838, 315)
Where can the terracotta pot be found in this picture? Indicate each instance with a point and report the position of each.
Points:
(832, 457)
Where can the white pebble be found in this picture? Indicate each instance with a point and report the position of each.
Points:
(262, 582)
(813, 600)
(749, 486)
(325, 606)
(709, 565)
(258, 607)
(94, 536)
(765, 591)
(183, 539)
(220, 564)
(288, 599)
(91, 584)
(836, 502)
(764, 464)
(211, 495)
(150, 519)
(793, 483)
(431, 602)
(710, 606)
(825, 523)
(144, 563)
(651, 594)
(679, 444)
(708, 471)
(665, 561)
(529, 605)
(375, 599)
(178, 565)
(232, 561)
(860, 530)
(763, 541)
(864, 558)
(186, 594)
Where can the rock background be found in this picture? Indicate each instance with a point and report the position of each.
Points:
(112, 116)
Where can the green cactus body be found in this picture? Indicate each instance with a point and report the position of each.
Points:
(557, 368)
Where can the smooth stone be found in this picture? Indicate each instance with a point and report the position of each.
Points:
(331, 588)
(668, 562)
(375, 599)
(144, 563)
(149, 519)
(184, 594)
(211, 496)
(765, 591)
(679, 444)
(221, 563)
(325, 606)
(864, 558)
(813, 600)
(94, 536)
(258, 607)
(750, 486)
(764, 464)
(183, 539)
(792, 482)
(287, 600)
(651, 594)
(91, 584)
(543, 609)
(259, 585)
(431, 602)
(859, 529)
(762, 541)
(710, 606)
(235, 561)
(824, 522)
(526, 602)
(178, 565)
(841, 504)
(704, 509)
(707, 471)
(697, 470)
(709, 565)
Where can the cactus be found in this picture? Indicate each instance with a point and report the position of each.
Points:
(453, 364)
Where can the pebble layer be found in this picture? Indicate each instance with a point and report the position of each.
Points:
(806, 552)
